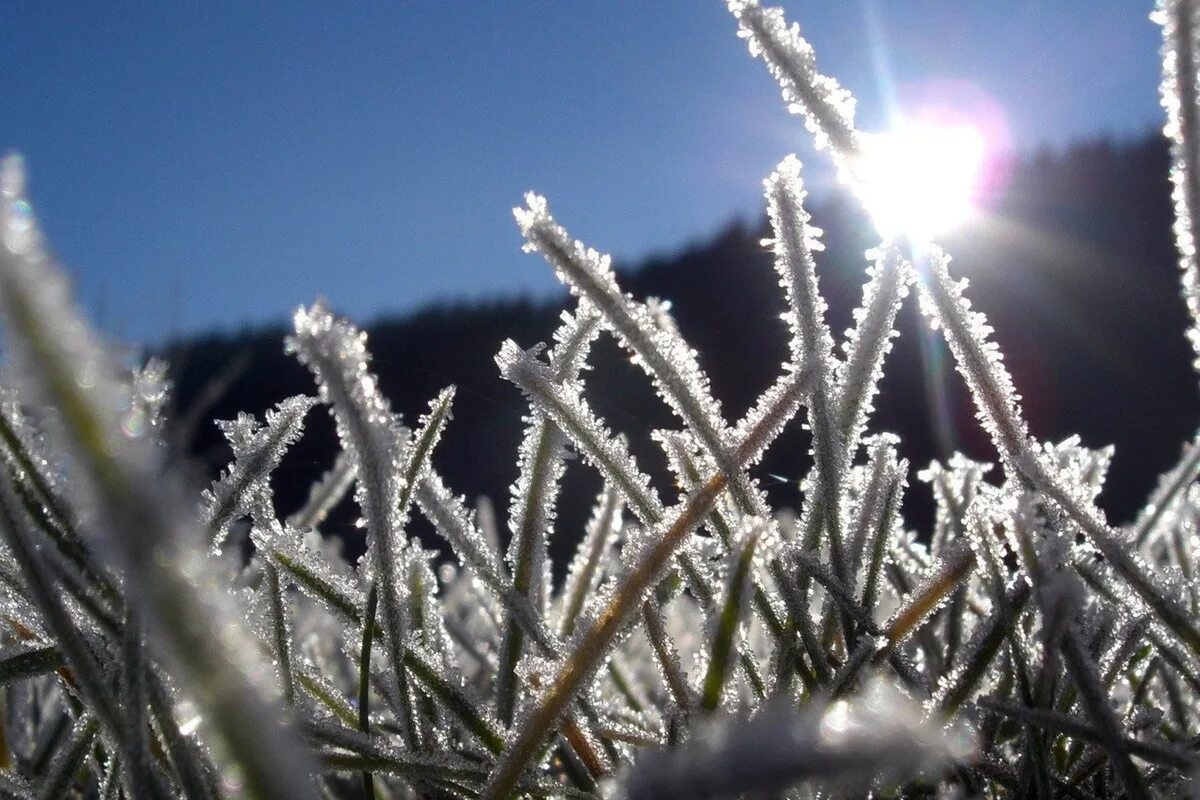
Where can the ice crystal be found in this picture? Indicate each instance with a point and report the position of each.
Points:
(257, 451)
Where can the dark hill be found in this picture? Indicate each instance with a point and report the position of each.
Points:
(1075, 269)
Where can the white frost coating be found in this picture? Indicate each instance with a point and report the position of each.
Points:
(1082, 467)
(1180, 20)
(978, 358)
(456, 523)
(868, 544)
(811, 344)
(771, 412)
(573, 341)
(794, 244)
(1167, 494)
(568, 409)
(389, 463)
(954, 487)
(541, 461)
(586, 569)
(1045, 550)
(332, 583)
(659, 350)
(828, 109)
(956, 560)
(335, 351)
(889, 277)
(257, 450)
(429, 627)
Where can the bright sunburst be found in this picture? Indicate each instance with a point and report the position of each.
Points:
(921, 179)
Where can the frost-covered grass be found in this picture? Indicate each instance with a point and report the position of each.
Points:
(703, 644)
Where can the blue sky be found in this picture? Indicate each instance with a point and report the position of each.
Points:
(209, 165)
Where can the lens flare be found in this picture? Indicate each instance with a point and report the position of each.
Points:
(921, 179)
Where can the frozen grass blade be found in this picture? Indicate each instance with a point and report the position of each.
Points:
(364, 682)
(583, 576)
(1095, 701)
(257, 451)
(19, 662)
(1180, 99)
(541, 463)
(151, 536)
(69, 759)
(729, 621)
(875, 326)
(592, 646)
(1171, 487)
(564, 405)
(659, 350)
(811, 342)
(281, 629)
(828, 109)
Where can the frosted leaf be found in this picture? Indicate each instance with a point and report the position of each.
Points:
(428, 625)
(828, 109)
(563, 404)
(691, 468)
(811, 346)
(954, 488)
(1095, 701)
(541, 462)
(664, 356)
(1171, 485)
(1127, 639)
(70, 758)
(670, 671)
(889, 277)
(774, 408)
(331, 583)
(1180, 21)
(725, 627)
(978, 359)
(977, 658)
(573, 341)
(932, 593)
(390, 463)
(20, 612)
(454, 522)
(794, 243)
(878, 518)
(585, 571)
(335, 351)
(26, 451)
(257, 450)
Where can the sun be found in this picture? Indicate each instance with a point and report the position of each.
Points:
(921, 179)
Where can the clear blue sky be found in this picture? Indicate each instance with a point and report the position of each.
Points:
(203, 165)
